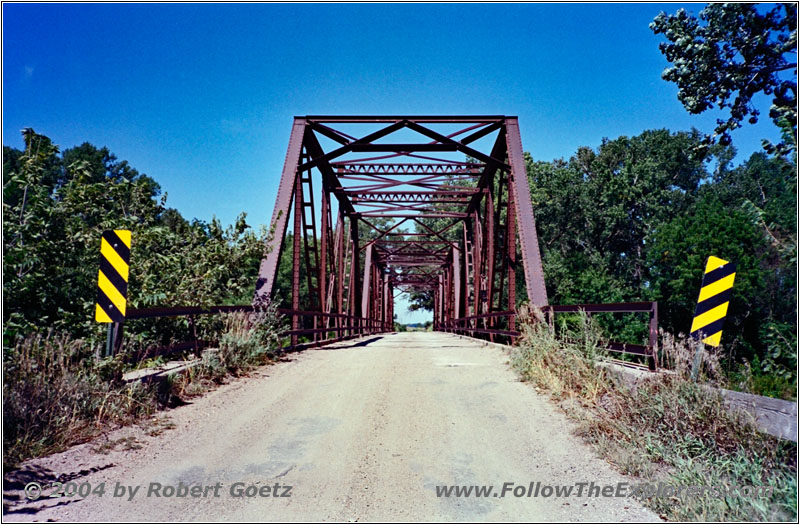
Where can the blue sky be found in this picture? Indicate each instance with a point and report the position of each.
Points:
(201, 97)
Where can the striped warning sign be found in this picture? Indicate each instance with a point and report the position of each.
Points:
(112, 280)
(712, 305)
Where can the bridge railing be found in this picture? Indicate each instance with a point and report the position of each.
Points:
(317, 326)
(482, 324)
(486, 324)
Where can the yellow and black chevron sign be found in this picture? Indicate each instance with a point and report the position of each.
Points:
(112, 280)
(712, 305)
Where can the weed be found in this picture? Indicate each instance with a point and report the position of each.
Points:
(58, 393)
(55, 395)
(669, 428)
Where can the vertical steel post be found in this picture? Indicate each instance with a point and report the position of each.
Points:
(323, 253)
(490, 252)
(109, 340)
(456, 283)
(367, 285)
(387, 298)
(297, 237)
(341, 256)
(511, 254)
(477, 265)
(355, 276)
(652, 360)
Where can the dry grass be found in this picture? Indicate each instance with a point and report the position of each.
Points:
(57, 392)
(669, 428)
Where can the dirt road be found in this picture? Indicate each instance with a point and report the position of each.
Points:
(363, 431)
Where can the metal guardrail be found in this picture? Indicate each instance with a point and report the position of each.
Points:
(321, 325)
(471, 325)
(348, 327)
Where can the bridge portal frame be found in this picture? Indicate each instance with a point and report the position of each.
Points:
(471, 276)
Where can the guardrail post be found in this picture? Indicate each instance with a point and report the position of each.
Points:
(117, 337)
(652, 361)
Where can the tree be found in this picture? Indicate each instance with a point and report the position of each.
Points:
(595, 213)
(55, 207)
(636, 218)
(727, 55)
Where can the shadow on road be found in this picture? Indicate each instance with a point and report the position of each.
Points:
(354, 345)
(14, 483)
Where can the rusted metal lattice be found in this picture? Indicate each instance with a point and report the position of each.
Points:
(422, 204)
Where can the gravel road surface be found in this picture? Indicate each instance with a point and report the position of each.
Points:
(362, 430)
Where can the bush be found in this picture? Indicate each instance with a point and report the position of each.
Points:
(246, 340)
(58, 393)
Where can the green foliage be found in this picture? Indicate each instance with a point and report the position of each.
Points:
(55, 393)
(246, 340)
(637, 218)
(55, 207)
(56, 390)
(729, 54)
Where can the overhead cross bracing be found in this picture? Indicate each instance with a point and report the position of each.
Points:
(380, 204)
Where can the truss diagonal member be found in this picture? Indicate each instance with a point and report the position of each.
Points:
(381, 232)
(431, 231)
(481, 133)
(463, 148)
(347, 148)
(280, 215)
(333, 134)
(329, 179)
(531, 257)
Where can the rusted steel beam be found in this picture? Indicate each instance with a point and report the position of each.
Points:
(508, 313)
(653, 337)
(511, 254)
(179, 311)
(456, 258)
(398, 215)
(422, 119)
(351, 168)
(325, 236)
(529, 241)
(269, 265)
(446, 141)
(329, 178)
(296, 238)
(367, 283)
(634, 307)
(331, 133)
(401, 147)
(473, 274)
(347, 148)
(355, 272)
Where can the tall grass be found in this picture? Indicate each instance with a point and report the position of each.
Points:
(58, 392)
(668, 428)
(247, 340)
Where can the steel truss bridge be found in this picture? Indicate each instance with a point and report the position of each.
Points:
(420, 207)
(384, 205)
